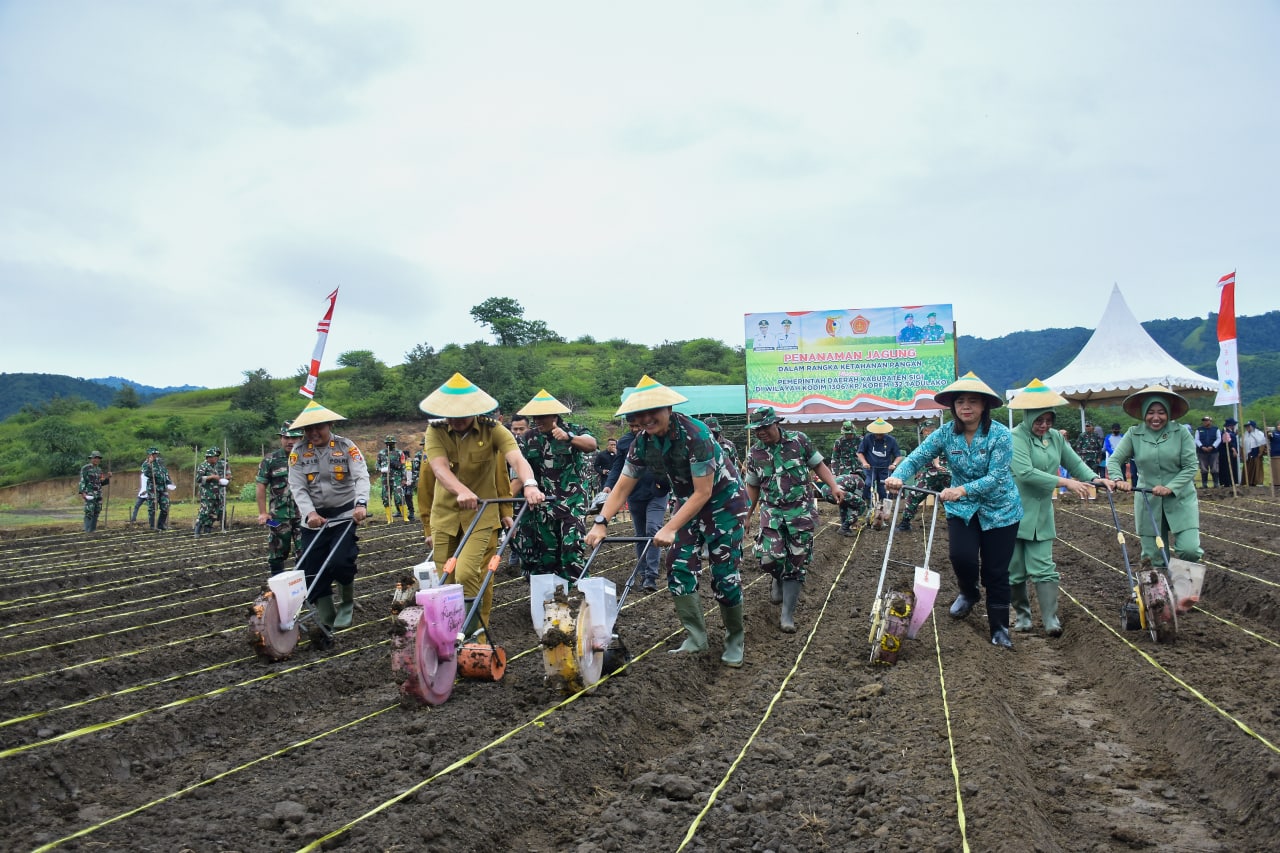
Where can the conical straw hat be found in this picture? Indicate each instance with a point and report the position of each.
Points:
(544, 404)
(967, 384)
(1136, 402)
(649, 394)
(313, 414)
(1037, 395)
(880, 426)
(458, 398)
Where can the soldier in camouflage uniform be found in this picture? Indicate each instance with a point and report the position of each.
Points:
(550, 538)
(281, 517)
(213, 476)
(844, 454)
(935, 477)
(157, 483)
(391, 465)
(711, 505)
(92, 479)
(729, 448)
(415, 471)
(1089, 448)
(853, 505)
(777, 479)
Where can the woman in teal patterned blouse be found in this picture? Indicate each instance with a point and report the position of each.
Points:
(982, 502)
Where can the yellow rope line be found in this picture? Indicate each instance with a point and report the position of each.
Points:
(97, 727)
(768, 711)
(175, 794)
(1184, 685)
(951, 741)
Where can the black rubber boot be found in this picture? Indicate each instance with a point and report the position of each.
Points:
(963, 605)
(790, 595)
(163, 522)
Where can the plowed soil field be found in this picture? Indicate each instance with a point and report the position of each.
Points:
(135, 717)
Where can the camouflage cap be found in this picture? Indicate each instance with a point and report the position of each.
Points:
(153, 451)
(288, 430)
(391, 439)
(761, 417)
(95, 455)
(213, 451)
(847, 428)
(712, 423)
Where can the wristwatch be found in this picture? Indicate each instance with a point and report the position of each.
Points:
(528, 483)
(362, 503)
(600, 519)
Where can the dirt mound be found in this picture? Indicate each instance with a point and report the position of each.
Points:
(134, 712)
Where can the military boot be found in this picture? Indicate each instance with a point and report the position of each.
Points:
(775, 592)
(324, 615)
(1047, 593)
(689, 609)
(1021, 607)
(734, 635)
(162, 523)
(346, 606)
(790, 595)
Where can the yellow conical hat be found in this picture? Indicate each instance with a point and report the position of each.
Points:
(313, 414)
(544, 404)
(1037, 395)
(880, 425)
(967, 384)
(458, 398)
(649, 394)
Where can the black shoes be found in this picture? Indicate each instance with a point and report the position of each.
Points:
(1000, 637)
(963, 606)
(905, 527)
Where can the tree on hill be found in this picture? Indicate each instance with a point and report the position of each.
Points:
(58, 446)
(258, 396)
(126, 398)
(505, 318)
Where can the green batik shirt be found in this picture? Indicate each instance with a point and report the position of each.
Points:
(688, 450)
(273, 472)
(782, 473)
(561, 470)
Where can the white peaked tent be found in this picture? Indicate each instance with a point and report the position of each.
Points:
(1119, 359)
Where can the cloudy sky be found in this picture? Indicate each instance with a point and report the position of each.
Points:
(182, 183)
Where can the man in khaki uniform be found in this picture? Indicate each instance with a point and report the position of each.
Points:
(468, 454)
(329, 480)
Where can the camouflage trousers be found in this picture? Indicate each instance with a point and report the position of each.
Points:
(151, 507)
(212, 505)
(784, 552)
(852, 508)
(285, 536)
(92, 509)
(552, 541)
(934, 481)
(397, 494)
(722, 532)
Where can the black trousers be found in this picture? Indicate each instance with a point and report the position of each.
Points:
(983, 555)
(340, 540)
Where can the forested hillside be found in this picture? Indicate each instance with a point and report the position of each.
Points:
(33, 389)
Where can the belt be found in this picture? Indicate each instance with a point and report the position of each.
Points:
(335, 511)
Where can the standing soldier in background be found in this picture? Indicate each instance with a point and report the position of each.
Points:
(282, 516)
(92, 479)
(844, 453)
(329, 480)
(391, 465)
(934, 476)
(1089, 448)
(155, 476)
(730, 449)
(415, 471)
(557, 453)
(777, 479)
(213, 478)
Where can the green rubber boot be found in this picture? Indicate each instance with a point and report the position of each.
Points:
(689, 609)
(324, 614)
(734, 635)
(1047, 593)
(346, 606)
(1021, 607)
(775, 592)
(790, 595)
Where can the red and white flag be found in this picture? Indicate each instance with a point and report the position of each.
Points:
(1228, 367)
(309, 389)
